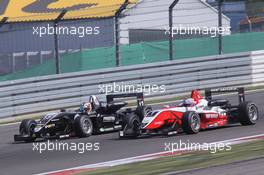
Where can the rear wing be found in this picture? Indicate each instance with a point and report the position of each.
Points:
(139, 96)
(240, 91)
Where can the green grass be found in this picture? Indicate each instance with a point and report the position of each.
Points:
(186, 161)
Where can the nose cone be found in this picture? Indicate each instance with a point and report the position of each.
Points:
(146, 121)
(154, 122)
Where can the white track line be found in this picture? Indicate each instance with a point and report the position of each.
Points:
(146, 157)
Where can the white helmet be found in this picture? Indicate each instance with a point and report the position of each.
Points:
(188, 102)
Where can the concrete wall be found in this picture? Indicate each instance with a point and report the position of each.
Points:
(47, 93)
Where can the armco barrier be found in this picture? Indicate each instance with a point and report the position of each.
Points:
(40, 94)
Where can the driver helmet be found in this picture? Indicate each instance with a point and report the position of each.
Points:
(87, 107)
(188, 102)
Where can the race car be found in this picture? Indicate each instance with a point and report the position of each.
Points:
(194, 114)
(93, 117)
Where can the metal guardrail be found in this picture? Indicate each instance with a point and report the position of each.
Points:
(11, 63)
(40, 94)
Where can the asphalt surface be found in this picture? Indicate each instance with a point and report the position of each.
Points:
(21, 159)
(252, 167)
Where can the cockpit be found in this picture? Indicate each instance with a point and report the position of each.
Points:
(189, 102)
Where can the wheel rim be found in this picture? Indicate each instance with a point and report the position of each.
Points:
(195, 123)
(86, 126)
(253, 114)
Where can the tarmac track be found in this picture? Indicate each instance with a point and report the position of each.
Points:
(21, 159)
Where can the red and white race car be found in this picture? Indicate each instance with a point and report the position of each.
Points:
(193, 114)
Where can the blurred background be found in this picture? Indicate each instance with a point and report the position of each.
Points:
(131, 32)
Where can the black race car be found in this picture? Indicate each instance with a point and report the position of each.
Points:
(93, 117)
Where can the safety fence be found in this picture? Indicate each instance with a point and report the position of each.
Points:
(145, 52)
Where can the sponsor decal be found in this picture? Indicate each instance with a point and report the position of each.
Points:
(208, 116)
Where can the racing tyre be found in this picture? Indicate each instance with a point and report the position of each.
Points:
(26, 128)
(191, 122)
(131, 126)
(83, 126)
(248, 113)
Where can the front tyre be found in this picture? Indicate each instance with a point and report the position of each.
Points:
(191, 122)
(27, 128)
(83, 126)
(248, 113)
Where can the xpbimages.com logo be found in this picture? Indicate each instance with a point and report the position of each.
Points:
(79, 31)
(65, 146)
(190, 146)
(198, 30)
(131, 88)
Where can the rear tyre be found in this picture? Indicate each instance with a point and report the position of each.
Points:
(248, 113)
(83, 126)
(27, 128)
(131, 127)
(191, 122)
